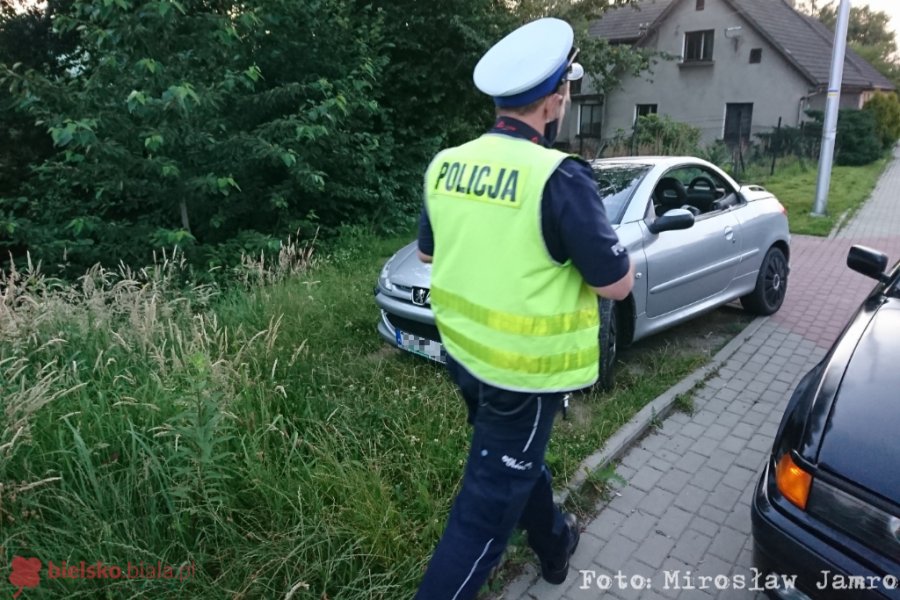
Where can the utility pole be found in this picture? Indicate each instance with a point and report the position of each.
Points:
(832, 105)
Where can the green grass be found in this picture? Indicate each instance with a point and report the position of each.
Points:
(265, 435)
(794, 183)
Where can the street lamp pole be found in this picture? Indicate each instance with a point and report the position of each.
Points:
(832, 105)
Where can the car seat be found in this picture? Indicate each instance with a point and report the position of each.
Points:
(669, 193)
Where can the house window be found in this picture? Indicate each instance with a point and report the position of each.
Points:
(698, 46)
(590, 119)
(701, 4)
(738, 122)
(642, 110)
(755, 56)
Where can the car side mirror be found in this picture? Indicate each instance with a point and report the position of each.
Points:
(869, 262)
(677, 218)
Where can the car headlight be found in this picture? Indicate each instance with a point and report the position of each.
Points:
(384, 281)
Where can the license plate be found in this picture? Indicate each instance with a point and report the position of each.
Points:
(422, 346)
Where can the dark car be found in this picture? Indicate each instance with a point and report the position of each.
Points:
(827, 507)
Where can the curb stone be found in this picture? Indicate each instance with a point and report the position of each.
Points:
(839, 223)
(659, 408)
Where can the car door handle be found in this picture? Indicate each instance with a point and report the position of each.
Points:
(729, 234)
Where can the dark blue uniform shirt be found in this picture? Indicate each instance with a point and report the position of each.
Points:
(573, 219)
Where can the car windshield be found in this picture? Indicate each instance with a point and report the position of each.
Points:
(617, 183)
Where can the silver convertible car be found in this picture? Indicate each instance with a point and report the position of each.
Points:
(697, 238)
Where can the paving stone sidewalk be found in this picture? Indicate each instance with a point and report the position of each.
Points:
(683, 517)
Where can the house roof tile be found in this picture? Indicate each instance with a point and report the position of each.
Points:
(807, 43)
(804, 41)
(629, 22)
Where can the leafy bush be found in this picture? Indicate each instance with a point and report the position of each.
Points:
(886, 108)
(857, 142)
(803, 141)
(204, 124)
(666, 135)
(657, 135)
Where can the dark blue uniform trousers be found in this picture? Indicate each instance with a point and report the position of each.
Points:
(505, 484)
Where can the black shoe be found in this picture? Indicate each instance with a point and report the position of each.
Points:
(557, 574)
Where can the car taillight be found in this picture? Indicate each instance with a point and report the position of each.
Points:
(793, 482)
(783, 208)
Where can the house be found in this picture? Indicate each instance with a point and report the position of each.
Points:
(739, 67)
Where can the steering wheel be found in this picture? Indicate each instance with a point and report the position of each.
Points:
(708, 183)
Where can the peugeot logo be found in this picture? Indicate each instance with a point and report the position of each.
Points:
(421, 296)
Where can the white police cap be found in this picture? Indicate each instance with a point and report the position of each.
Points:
(529, 63)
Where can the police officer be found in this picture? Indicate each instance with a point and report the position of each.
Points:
(521, 247)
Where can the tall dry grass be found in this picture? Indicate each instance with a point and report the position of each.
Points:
(262, 434)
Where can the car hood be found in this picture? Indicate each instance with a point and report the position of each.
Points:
(860, 437)
(407, 270)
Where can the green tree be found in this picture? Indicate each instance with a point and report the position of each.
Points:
(867, 27)
(886, 108)
(225, 126)
(26, 38)
(605, 63)
(886, 63)
(427, 88)
(203, 122)
(869, 33)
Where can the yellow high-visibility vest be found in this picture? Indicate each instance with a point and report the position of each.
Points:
(506, 311)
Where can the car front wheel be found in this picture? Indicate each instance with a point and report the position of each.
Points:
(771, 284)
(608, 339)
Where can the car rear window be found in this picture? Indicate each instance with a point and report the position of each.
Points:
(617, 183)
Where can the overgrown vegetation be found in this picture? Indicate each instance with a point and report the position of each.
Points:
(130, 126)
(863, 136)
(655, 135)
(264, 434)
